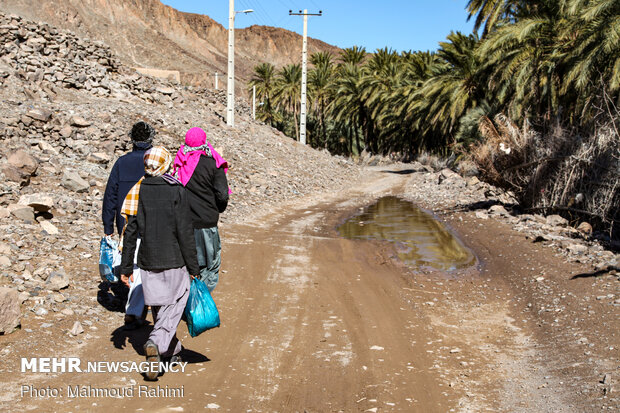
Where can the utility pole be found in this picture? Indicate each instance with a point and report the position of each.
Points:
(230, 84)
(230, 101)
(254, 102)
(304, 71)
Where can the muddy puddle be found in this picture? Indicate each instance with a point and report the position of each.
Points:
(420, 240)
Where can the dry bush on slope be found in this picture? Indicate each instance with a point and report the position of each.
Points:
(561, 171)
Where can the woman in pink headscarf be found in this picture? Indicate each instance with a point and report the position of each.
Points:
(203, 172)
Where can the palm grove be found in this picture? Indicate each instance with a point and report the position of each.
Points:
(531, 97)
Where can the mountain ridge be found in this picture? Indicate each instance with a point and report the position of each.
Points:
(148, 33)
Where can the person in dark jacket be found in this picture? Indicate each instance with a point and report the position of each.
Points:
(203, 173)
(127, 170)
(167, 254)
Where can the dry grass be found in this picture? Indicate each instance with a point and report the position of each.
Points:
(561, 171)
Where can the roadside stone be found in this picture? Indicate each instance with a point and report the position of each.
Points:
(41, 311)
(77, 329)
(577, 249)
(57, 281)
(66, 131)
(498, 210)
(165, 90)
(14, 174)
(23, 161)
(74, 182)
(10, 312)
(5, 261)
(67, 311)
(585, 228)
(556, 221)
(43, 115)
(23, 212)
(47, 148)
(99, 157)
(39, 202)
(49, 228)
(80, 122)
(481, 215)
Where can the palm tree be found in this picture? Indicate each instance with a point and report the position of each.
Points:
(445, 97)
(354, 55)
(287, 92)
(522, 59)
(347, 106)
(263, 79)
(319, 84)
(595, 52)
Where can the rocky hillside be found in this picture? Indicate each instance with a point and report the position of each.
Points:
(147, 33)
(68, 104)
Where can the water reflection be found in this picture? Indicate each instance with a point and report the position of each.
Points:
(420, 240)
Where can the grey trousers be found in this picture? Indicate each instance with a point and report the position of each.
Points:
(166, 292)
(209, 250)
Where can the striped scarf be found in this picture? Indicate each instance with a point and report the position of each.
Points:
(157, 161)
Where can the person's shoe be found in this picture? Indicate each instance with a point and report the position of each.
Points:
(132, 322)
(176, 359)
(152, 355)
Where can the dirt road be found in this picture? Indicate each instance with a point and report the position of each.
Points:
(312, 322)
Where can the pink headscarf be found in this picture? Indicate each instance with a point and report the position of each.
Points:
(186, 159)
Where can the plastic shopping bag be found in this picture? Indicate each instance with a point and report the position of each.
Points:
(108, 254)
(200, 311)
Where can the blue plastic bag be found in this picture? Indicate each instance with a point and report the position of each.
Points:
(200, 311)
(108, 250)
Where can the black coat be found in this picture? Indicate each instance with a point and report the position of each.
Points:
(165, 228)
(208, 193)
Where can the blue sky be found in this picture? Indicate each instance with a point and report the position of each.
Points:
(397, 24)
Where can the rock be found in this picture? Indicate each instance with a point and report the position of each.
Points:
(59, 298)
(577, 249)
(498, 210)
(57, 281)
(67, 312)
(49, 228)
(99, 157)
(165, 90)
(556, 221)
(74, 182)
(23, 161)
(41, 311)
(4, 213)
(4, 248)
(77, 329)
(14, 174)
(47, 148)
(39, 114)
(5, 261)
(79, 122)
(39, 202)
(10, 312)
(585, 228)
(66, 131)
(481, 215)
(23, 212)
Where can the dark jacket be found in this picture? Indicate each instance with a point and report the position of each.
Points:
(127, 170)
(208, 193)
(164, 225)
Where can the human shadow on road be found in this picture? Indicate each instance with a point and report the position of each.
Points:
(594, 273)
(112, 296)
(136, 338)
(401, 172)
